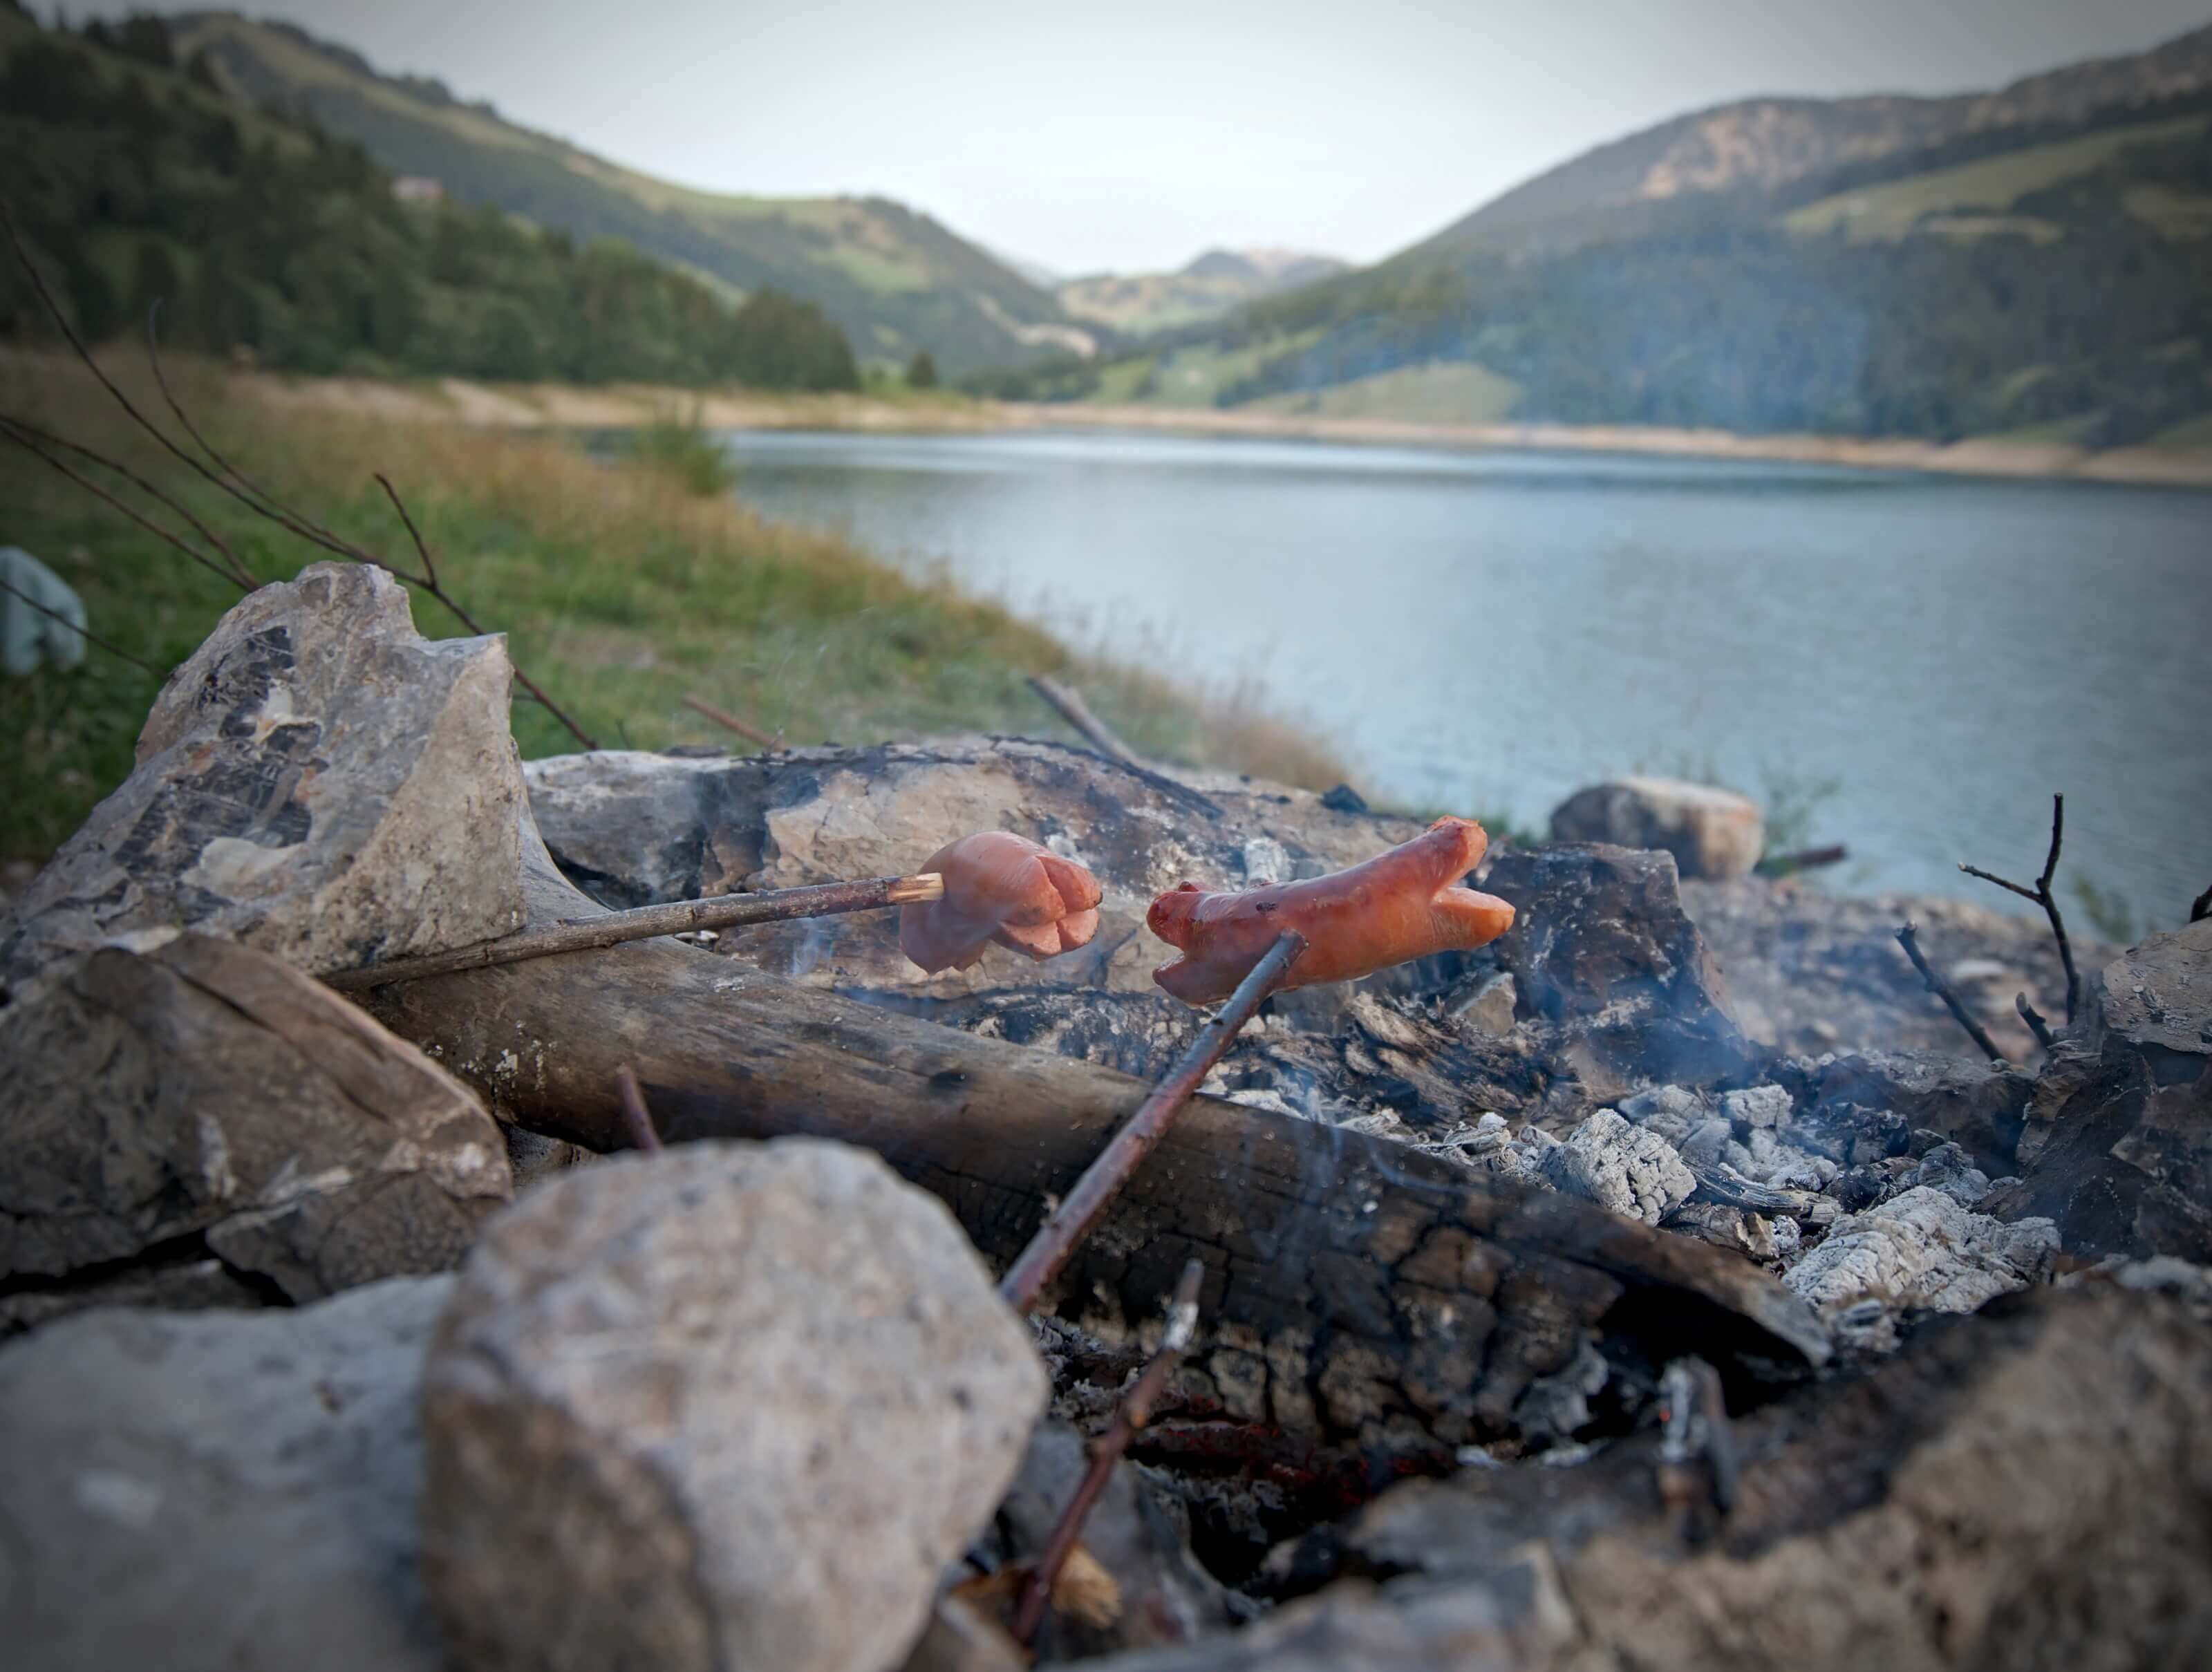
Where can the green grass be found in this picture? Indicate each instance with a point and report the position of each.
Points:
(679, 448)
(1193, 376)
(2175, 214)
(2194, 433)
(1992, 185)
(620, 590)
(1455, 392)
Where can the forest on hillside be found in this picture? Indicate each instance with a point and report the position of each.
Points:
(135, 182)
(2084, 308)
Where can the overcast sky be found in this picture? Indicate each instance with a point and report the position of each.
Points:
(1132, 135)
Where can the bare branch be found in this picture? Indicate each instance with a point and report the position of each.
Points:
(1069, 703)
(723, 717)
(21, 435)
(647, 923)
(422, 547)
(1067, 1225)
(238, 571)
(231, 480)
(68, 333)
(2043, 896)
(1130, 1416)
(89, 638)
(1907, 938)
(2036, 1025)
(635, 1116)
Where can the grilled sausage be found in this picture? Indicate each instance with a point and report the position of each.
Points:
(1003, 888)
(1397, 906)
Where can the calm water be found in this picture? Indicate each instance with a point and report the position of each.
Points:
(1492, 631)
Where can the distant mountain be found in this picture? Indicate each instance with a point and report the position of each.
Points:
(1765, 144)
(895, 279)
(1207, 286)
(2034, 262)
(141, 187)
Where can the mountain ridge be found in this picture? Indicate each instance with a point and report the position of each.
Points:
(894, 277)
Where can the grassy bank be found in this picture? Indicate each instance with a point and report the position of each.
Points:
(621, 591)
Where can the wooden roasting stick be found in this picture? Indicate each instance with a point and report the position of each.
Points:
(580, 934)
(1104, 1179)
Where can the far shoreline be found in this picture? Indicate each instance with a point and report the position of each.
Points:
(564, 406)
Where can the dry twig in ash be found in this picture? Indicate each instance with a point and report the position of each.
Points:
(2042, 896)
(2033, 1017)
(219, 472)
(635, 1116)
(1134, 1411)
(1068, 1224)
(1907, 938)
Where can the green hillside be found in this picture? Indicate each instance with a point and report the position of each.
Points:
(136, 182)
(895, 280)
(1997, 265)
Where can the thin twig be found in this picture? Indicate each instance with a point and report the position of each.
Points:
(238, 571)
(21, 435)
(1907, 938)
(90, 638)
(583, 934)
(1134, 1411)
(422, 546)
(635, 1116)
(1058, 1238)
(1071, 708)
(1805, 859)
(430, 584)
(2043, 896)
(235, 483)
(2036, 1025)
(68, 333)
(723, 717)
(242, 487)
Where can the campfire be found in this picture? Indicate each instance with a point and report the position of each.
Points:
(780, 1210)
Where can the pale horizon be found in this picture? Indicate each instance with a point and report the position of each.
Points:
(1057, 143)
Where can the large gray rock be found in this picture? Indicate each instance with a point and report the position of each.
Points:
(218, 1492)
(630, 828)
(318, 781)
(2117, 1141)
(203, 1100)
(734, 1405)
(1710, 832)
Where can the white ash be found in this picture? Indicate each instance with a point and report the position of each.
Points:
(1947, 1168)
(1626, 1169)
(1672, 1111)
(1922, 1248)
(1774, 1161)
(1557, 1406)
(1756, 1107)
(1789, 1237)
(1737, 1228)
(1266, 860)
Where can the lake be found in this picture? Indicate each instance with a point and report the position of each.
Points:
(1487, 632)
